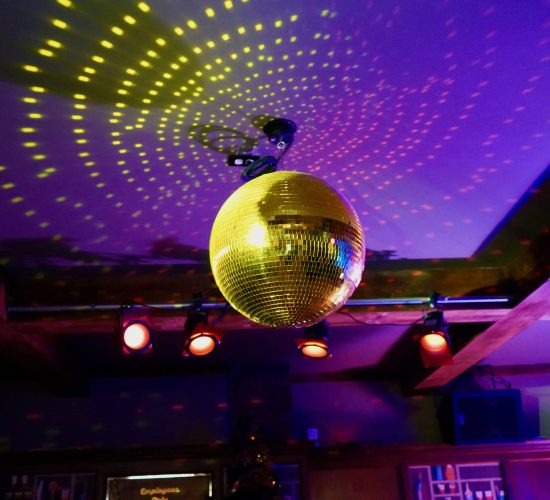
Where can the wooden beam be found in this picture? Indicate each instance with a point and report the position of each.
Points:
(533, 308)
(104, 323)
(516, 370)
(167, 284)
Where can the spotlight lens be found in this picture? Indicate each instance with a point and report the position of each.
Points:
(314, 350)
(433, 342)
(136, 336)
(201, 345)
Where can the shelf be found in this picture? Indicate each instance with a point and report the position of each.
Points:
(478, 478)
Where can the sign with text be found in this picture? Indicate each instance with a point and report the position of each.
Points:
(196, 486)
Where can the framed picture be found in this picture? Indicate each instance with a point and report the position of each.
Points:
(188, 486)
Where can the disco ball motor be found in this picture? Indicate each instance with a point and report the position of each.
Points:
(286, 249)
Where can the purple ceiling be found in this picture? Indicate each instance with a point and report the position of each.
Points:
(116, 117)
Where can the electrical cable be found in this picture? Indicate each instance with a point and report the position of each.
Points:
(280, 132)
(265, 164)
(351, 316)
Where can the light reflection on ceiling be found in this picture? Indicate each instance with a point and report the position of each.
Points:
(117, 117)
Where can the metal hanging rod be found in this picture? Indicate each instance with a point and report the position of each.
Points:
(405, 301)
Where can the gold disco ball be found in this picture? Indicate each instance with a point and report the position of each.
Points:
(286, 249)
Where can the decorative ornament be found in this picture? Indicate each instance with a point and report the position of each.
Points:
(253, 476)
(286, 249)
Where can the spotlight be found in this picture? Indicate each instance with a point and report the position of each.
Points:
(314, 344)
(135, 329)
(200, 339)
(136, 336)
(435, 347)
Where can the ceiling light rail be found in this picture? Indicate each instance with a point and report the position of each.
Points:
(448, 302)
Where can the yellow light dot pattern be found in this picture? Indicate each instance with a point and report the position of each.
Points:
(58, 23)
(144, 7)
(31, 68)
(46, 52)
(152, 97)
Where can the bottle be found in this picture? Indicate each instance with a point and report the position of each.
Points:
(438, 476)
(13, 488)
(39, 488)
(27, 491)
(19, 490)
(450, 474)
(419, 492)
(468, 493)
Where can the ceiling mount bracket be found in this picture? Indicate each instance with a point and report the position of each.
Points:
(280, 131)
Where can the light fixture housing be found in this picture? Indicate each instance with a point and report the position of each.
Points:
(280, 131)
(435, 346)
(200, 338)
(314, 344)
(135, 330)
(202, 341)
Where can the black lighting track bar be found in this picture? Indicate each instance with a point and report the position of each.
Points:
(441, 301)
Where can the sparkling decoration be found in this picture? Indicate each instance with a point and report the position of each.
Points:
(254, 474)
(286, 249)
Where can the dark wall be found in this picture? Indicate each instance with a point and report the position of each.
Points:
(207, 409)
(117, 413)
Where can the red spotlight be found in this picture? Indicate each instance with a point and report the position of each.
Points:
(136, 336)
(313, 348)
(135, 330)
(435, 349)
(315, 343)
(200, 339)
